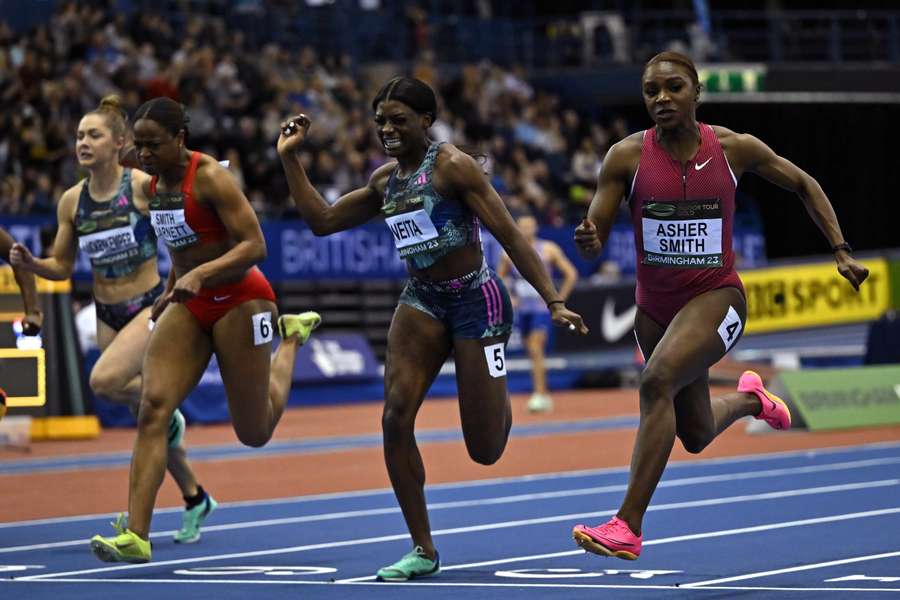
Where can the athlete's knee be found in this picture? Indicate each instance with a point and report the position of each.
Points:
(695, 440)
(486, 452)
(106, 383)
(153, 414)
(657, 384)
(255, 437)
(397, 422)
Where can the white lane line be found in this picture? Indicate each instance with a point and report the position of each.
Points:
(491, 526)
(810, 453)
(830, 563)
(450, 584)
(672, 540)
(685, 481)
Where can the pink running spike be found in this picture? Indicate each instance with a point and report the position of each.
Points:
(613, 538)
(774, 411)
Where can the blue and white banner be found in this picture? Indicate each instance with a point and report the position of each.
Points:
(368, 251)
(336, 358)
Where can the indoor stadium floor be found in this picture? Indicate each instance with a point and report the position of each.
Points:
(784, 513)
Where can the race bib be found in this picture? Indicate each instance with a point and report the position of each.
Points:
(116, 243)
(262, 328)
(171, 227)
(496, 360)
(683, 234)
(411, 229)
(730, 328)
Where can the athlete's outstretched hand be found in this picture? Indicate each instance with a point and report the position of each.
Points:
(20, 256)
(587, 240)
(852, 270)
(564, 317)
(293, 133)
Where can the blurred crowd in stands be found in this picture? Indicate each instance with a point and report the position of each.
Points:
(542, 156)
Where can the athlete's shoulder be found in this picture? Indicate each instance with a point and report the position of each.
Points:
(728, 137)
(379, 178)
(623, 156)
(68, 201)
(742, 149)
(207, 165)
(631, 140)
(456, 166)
(450, 155)
(212, 179)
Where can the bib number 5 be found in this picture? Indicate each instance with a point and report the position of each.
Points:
(496, 360)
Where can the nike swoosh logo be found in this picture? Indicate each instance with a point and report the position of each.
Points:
(614, 326)
(619, 542)
(221, 298)
(124, 544)
(699, 166)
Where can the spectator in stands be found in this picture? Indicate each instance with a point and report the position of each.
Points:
(433, 198)
(532, 317)
(680, 177)
(105, 215)
(59, 71)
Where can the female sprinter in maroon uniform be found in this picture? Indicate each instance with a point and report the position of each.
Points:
(680, 177)
(216, 301)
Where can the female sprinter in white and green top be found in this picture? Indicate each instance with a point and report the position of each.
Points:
(105, 214)
(433, 198)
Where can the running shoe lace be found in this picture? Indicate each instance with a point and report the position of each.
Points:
(120, 524)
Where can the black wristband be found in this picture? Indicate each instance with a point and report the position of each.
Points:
(552, 302)
(842, 246)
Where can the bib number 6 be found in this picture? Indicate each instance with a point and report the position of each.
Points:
(262, 328)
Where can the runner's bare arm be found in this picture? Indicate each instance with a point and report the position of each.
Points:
(351, 209)
(61, 263)
(612, 183)
(757, 157)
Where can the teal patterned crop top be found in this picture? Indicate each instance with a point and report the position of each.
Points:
(425, 225)
(113, 234)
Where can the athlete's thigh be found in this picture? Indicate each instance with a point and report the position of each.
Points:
(647, 332)
(177, 355)
(418, 346)
(122, 352)
(699, 335)
(481, 384)
(692, 400)
(242, 340)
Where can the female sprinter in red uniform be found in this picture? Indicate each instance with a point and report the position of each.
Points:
(106, 216)
(216, 301)
(680, 177)
(433, 198)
